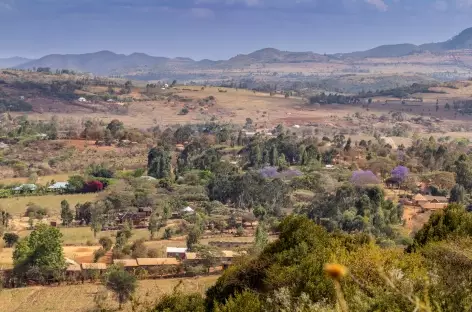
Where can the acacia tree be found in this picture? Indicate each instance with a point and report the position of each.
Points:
(10, 239)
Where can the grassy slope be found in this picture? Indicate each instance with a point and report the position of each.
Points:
(17, 205)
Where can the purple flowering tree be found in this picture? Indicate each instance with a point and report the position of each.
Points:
(269, 172)
(400, 173)
(272, 172)
(362, 178)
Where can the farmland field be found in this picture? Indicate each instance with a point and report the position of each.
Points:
(79, 298)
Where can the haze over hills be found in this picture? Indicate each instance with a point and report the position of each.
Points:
(13, 61)
(109, 63)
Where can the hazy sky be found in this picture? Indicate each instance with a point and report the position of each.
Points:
(219, 29)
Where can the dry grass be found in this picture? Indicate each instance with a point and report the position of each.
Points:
(17, 205)
(79, 298)
(61, 177)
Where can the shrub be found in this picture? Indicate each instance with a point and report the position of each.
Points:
(106, 243)
(167, 233)
(90, 242)
(98, 254)
(153, 253)
(10, 239)
(93, 186)
(36, 211)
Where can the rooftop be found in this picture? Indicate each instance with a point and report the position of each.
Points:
(94, 266)
(157, 261)
(176, 250)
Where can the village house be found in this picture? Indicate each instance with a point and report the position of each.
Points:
(176, 252)
(58, 186)
(160, 266)
(25, 188)
(428, 202)
(128, 264)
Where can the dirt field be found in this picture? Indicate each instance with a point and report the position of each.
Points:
(79, 298)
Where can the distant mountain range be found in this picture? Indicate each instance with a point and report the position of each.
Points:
(13, 61)
(109, 63)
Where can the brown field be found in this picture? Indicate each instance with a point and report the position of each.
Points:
(42, 180)
(79, 298)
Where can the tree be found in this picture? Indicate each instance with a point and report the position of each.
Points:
(463, 170)
(457, 194)
(400, 173)
(83, 213)
(159, 163)
(121, 283)
(75, 184)
(261, 238)
(260, 212)
(4, 219)
(97, 218)
(42, 250)
(153, 226)
(93, 187)
(193, 237)
(10, 239)
(106, 243)
(167, 233)
(66, 213)
(362, 178)
(115, 126)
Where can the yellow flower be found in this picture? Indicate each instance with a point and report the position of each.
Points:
(335, 271)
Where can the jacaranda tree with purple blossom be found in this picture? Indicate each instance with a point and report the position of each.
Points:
(362, 178)
(400, 173)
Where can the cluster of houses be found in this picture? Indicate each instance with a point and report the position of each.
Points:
(173, 264)
(429, 202)
(29, 187)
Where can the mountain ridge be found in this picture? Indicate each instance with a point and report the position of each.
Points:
(107, 62)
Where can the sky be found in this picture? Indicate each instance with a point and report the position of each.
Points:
(220, 29)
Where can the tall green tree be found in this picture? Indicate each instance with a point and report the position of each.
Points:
(159, 163)
(153, 226)
(261, 238)
(193, 237)
(457, 194)
(42, 250)
(67, 215)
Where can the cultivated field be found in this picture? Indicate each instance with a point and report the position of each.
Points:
(80, 298)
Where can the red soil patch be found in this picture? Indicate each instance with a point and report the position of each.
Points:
(84, 144)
